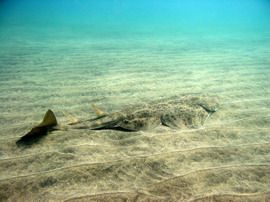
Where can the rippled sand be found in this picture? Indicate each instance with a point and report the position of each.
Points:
(227, 159)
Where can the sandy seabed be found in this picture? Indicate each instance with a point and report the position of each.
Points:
(226, 160)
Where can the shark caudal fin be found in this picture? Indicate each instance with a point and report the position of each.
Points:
(98, 111)
(48, 120)
(39, 131)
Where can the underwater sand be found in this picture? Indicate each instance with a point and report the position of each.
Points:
(227, 159)
(67, 56)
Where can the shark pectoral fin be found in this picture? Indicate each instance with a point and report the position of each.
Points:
(48, 123)
(98, 111)
(139, 124)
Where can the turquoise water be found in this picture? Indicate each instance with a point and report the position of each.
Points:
(67, 55)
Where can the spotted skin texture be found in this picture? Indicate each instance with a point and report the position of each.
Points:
(178, 113)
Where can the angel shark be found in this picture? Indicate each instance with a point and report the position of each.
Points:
(177, 113)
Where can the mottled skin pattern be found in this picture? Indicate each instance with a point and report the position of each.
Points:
(183, 112)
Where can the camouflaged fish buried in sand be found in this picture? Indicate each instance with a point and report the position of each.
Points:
(183, 112)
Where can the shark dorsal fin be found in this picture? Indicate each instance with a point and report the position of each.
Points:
(48, 120)
(98, 111)
(71, 119)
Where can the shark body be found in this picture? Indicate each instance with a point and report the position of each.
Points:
(177, 113)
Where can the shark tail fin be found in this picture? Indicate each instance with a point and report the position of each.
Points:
(98, 111)
(48, 120)
(39, 131)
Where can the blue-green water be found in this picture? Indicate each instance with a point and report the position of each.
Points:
(68, 54)
(121, 19)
